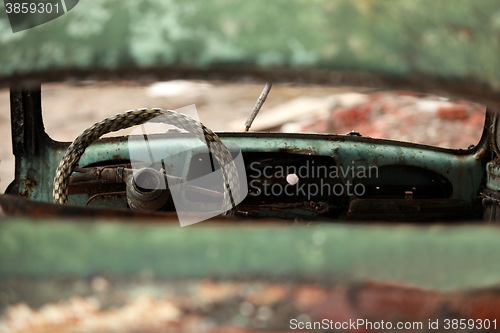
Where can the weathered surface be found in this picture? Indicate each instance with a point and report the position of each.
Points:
(233, 38)
(445, 257)
(332, 271)
(241, 306)
(423, 41)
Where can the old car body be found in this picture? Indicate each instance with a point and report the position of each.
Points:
(426, 255)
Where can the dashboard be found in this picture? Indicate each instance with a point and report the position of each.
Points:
(290, 176)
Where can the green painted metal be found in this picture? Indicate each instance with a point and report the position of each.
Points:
(464, 171)
(437, 38)
(457, 41)
(424, 38)
(456, 257)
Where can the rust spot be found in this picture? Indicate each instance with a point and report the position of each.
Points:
(15, 206)
(12, 205)
(392, 302)
(27, 184)
(303, 151)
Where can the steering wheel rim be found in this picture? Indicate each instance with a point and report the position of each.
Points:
(137, 117)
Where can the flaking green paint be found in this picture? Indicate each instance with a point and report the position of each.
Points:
(449, 39)
(445, 257)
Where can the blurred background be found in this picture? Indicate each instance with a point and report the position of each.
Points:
(453, 40)
(70, 108)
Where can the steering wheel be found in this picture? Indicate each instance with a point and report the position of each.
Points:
(136, 117)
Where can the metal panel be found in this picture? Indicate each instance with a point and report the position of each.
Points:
(282, 39)
(444, 258)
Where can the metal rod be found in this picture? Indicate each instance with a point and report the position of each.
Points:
(104, 194)
(258, 105)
